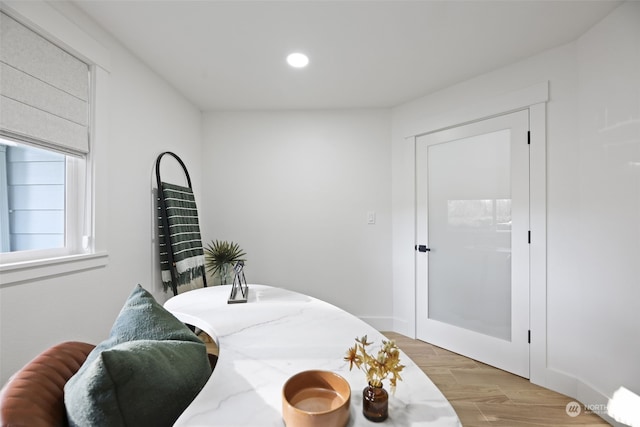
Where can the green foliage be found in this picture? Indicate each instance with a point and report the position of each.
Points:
(221, 254)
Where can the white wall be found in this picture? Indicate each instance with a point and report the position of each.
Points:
(605, 267)
(146, 116)
(593, 201)
(293, 190)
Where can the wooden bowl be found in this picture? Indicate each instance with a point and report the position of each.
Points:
(316, 399)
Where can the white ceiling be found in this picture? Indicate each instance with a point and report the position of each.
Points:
(230, 55)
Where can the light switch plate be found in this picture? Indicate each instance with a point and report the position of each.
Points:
(371, 217)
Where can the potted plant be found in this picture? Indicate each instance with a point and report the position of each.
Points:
(220, 257)
(375, 399)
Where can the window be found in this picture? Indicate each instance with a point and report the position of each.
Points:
(55, 100)
(39, 197)
(45, 167)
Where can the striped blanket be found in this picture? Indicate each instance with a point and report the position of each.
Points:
(184, 237)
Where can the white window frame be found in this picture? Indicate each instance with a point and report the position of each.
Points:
(77, 216)
(89, 248)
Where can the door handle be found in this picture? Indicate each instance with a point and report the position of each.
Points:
(422, 248)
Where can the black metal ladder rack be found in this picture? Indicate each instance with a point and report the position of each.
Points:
(165, 222)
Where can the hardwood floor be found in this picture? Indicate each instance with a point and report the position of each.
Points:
(485, 396)
(212, 348)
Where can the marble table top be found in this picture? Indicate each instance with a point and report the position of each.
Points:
(277, 334)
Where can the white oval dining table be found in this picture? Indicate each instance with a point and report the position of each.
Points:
(277, 334)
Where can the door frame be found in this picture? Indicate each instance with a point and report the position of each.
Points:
(533, 98)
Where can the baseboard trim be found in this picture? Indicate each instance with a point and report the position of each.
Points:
(380, 323)
(401, 326)
(592, 400)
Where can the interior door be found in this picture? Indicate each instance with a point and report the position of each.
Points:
(472, 247)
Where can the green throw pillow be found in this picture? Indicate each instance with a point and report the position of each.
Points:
(142, 318)
(145, 374)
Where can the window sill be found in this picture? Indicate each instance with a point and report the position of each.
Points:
(18, 272)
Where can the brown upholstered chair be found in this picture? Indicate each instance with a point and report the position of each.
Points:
(34, 396)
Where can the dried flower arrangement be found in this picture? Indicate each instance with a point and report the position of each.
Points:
(377, 369)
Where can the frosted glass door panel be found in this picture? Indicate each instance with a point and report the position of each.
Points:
(469, 226)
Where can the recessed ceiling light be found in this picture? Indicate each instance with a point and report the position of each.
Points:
(298, 60)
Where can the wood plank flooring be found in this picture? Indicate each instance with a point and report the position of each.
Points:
(485, 396)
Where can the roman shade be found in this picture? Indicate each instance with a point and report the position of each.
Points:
(44, 91)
